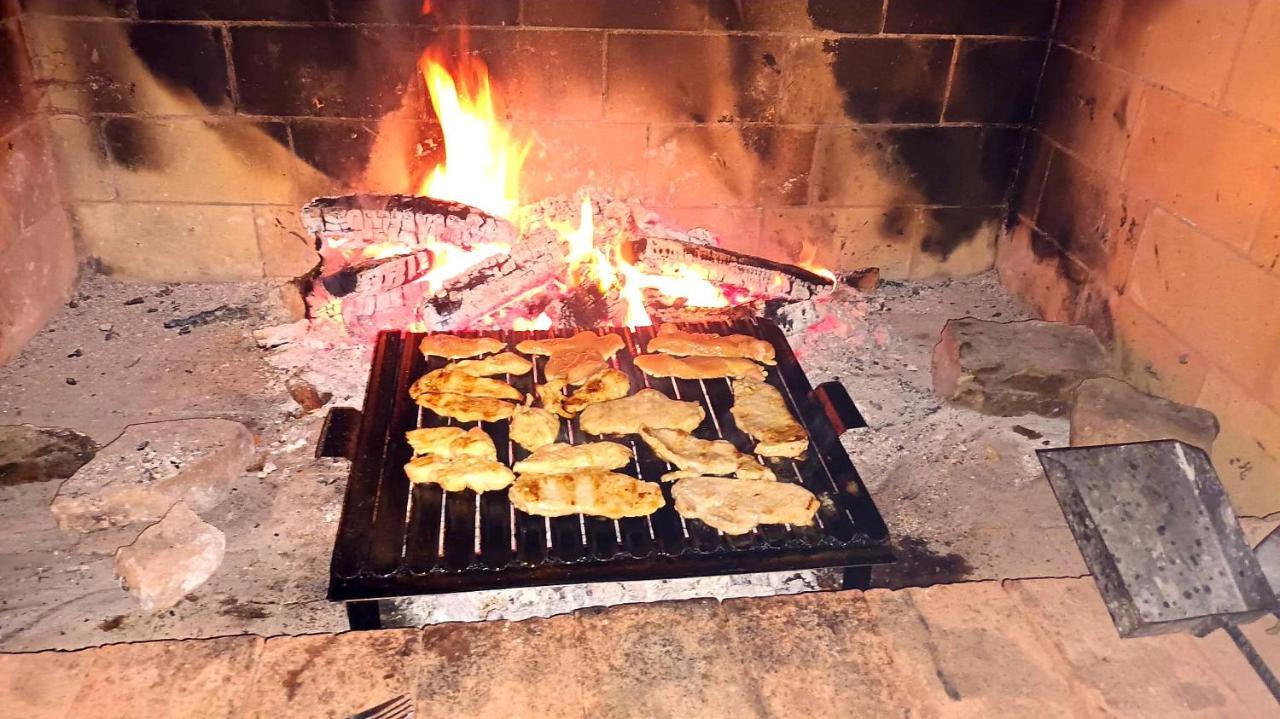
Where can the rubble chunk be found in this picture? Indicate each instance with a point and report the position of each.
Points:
(1109, 411)
(170, 559)
(38, 454)
(140, 475)
(1013, 368)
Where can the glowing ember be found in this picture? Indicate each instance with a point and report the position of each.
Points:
(541, 322)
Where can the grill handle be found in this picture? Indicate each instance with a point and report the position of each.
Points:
(338, 433)
(838, 406)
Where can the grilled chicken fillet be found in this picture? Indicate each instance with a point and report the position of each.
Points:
(702, 456)
(661, 365)
(464, 408)
(607, 384)
(597, 492)
(646, 408)
(735, 506)
(675, 341)
(452, 442)
(562, 458)
(455, 475)
(449, 381)
(759, 410)
(534, 427)
(574, 366)
(505, 363)
(606, 345)
(454, 347)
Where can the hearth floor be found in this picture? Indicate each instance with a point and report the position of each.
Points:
(1018, 648)
(961, 492)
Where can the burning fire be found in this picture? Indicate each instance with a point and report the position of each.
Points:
(483, 161)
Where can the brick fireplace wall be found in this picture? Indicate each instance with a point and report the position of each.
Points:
(37, 258)
(1150, 209)
(852, 132)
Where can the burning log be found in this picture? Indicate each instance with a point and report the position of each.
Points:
(487, 288)
(352, 222)
(760, 277)
(377, 275)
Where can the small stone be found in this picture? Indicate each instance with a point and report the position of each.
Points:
(864, 280)
(134, 301)
(1108, 411)
(77, 353)
(1013, 368)
(194, 461)
(170, 559)
(71, 381)
(104, 327)
(38, 454)
(306, 395)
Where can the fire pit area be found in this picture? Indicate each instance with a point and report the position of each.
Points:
(531, 356)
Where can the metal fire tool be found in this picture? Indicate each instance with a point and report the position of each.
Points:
(1161, 540)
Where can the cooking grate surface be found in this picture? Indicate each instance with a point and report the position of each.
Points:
(397, 539)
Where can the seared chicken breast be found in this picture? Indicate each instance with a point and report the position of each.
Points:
(646, 408)
(505, 363)
(759, 410)
(597, 492)
(606, 345)
(534, 427)
(736, 506)
(661, 365)
(560, 458)
(464, 408)
(607, 384)
(451, 442)
(702, 456)
(454, 347)
(674, 341)
(446, 380)
(455, 475)
(574, 366)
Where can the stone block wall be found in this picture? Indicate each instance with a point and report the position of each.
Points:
(851, 132)
(1149, 208)
(37, 257)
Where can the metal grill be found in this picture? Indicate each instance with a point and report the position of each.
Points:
(396, 539)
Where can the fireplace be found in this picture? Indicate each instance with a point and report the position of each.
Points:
(1002, 226)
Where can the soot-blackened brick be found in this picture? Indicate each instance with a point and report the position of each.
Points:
(953, 227)
(955, 165)
(132, 145)
(324, 71)
(971, 17)
(338, 148)
(1036, 156)
(186, 56)
(85, 8)
(995, 81)
(849, 16)
(891, 79)
(233, 9)
(446, 12)
(15, 78)
(646, 15)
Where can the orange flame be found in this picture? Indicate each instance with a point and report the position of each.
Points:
(482, 158)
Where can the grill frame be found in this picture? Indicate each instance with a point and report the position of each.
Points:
(387, 533)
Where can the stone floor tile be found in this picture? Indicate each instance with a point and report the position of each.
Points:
(42, 685)
(1163, 675)
(333, 675)
(168, 679)
(810, 654)
(969, 643)
(501, 669)
(663, 659)
(1229, 673)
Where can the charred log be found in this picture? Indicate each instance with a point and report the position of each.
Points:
(379, 275)
(761, 277)
(414, 222)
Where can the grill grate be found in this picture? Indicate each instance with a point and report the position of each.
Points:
(397, 539)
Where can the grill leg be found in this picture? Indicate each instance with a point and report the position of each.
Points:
(364, 615)
(853, 578)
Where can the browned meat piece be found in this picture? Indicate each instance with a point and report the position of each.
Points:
(606, 385)
(607, 345)
(597, 492)
(674, 341)
(702, 456)
(464, 408)
(534, 427)
(452, 442)
(574, 366)
(454, 347)
(698, 367)
(563, 458)
(505, 363)
(736, 506)
(455, 475)
(448, 381)
(646, 408)
(759, 410)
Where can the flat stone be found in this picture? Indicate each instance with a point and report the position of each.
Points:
(41, 685)
(334, 675)
(149, 468)
(206, 678)
(1109, 411)
(38, 454)
(1013, 368)
(170, 559)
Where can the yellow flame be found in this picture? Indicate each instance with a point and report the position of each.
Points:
(482, 158)
(541, 322)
